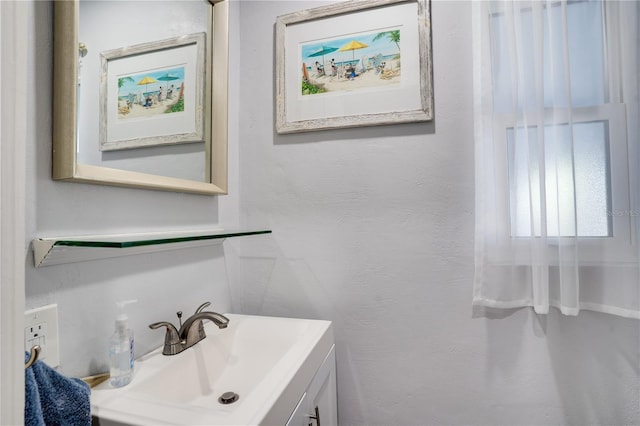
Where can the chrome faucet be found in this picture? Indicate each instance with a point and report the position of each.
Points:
(191, 332)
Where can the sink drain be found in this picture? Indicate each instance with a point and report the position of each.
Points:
(228, 398)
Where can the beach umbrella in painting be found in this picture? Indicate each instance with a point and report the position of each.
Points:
(168, 77)
(353, 45)
(323, 51)
(146, 82)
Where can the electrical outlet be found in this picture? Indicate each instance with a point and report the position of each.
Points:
(41, 328)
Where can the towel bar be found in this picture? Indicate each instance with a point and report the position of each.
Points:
(33, 356)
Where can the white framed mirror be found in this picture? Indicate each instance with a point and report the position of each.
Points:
(140, 93)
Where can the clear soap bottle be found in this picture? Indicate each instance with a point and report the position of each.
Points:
(121, 349)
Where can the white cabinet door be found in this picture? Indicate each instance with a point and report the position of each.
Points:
(318, 405)
(322, 396)
(299, 415)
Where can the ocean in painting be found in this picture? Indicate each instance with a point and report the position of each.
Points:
(351, 62)
(149, 93)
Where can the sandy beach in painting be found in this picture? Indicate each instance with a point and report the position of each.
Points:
(138, 111)
(369, 79)
(151, 93)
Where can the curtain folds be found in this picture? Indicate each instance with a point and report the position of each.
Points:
(556, 90)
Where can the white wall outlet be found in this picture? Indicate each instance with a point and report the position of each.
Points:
(41, 328)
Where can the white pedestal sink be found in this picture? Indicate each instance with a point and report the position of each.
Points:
(267, 361)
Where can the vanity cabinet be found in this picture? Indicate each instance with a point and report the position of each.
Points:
(282, 369)
(318, 404)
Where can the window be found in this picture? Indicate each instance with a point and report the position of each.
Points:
(577, 174)
(559, 179)
(556, 87)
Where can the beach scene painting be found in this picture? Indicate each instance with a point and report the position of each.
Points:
(151, 93)
(351, 62)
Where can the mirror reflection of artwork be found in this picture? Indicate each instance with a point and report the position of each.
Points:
(353, 62)
(86, 94)
(151, 93)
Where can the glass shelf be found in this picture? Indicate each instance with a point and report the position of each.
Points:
(58, 250)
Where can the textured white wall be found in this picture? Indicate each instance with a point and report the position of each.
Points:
(373, 229)
(85, 292)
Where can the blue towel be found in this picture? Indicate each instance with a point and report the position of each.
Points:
(53, 399)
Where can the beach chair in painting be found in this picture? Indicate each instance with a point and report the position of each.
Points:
(376, 62)
(350, 71)
(365, 64)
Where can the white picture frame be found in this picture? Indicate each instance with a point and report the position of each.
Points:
(351, 88)
(168, 108)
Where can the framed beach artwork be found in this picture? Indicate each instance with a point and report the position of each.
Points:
(355, 63)
(152, 94)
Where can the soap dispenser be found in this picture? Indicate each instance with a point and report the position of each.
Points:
(121, 349)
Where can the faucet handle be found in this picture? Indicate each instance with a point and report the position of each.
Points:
(201, 333)
(201, 307)
(172, 342)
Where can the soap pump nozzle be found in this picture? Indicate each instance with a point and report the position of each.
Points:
(122, 318)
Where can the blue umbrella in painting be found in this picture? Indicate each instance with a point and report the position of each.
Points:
(323, 51)
(168, 77)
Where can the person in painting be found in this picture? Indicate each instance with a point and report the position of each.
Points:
(147, 103)
(334, 69)
(319, 69)
(170, 92)
(160, 95)
(351, 71)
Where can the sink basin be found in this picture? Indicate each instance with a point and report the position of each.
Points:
(267, 361)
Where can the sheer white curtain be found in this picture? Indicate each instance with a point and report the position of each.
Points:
(556, 89)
